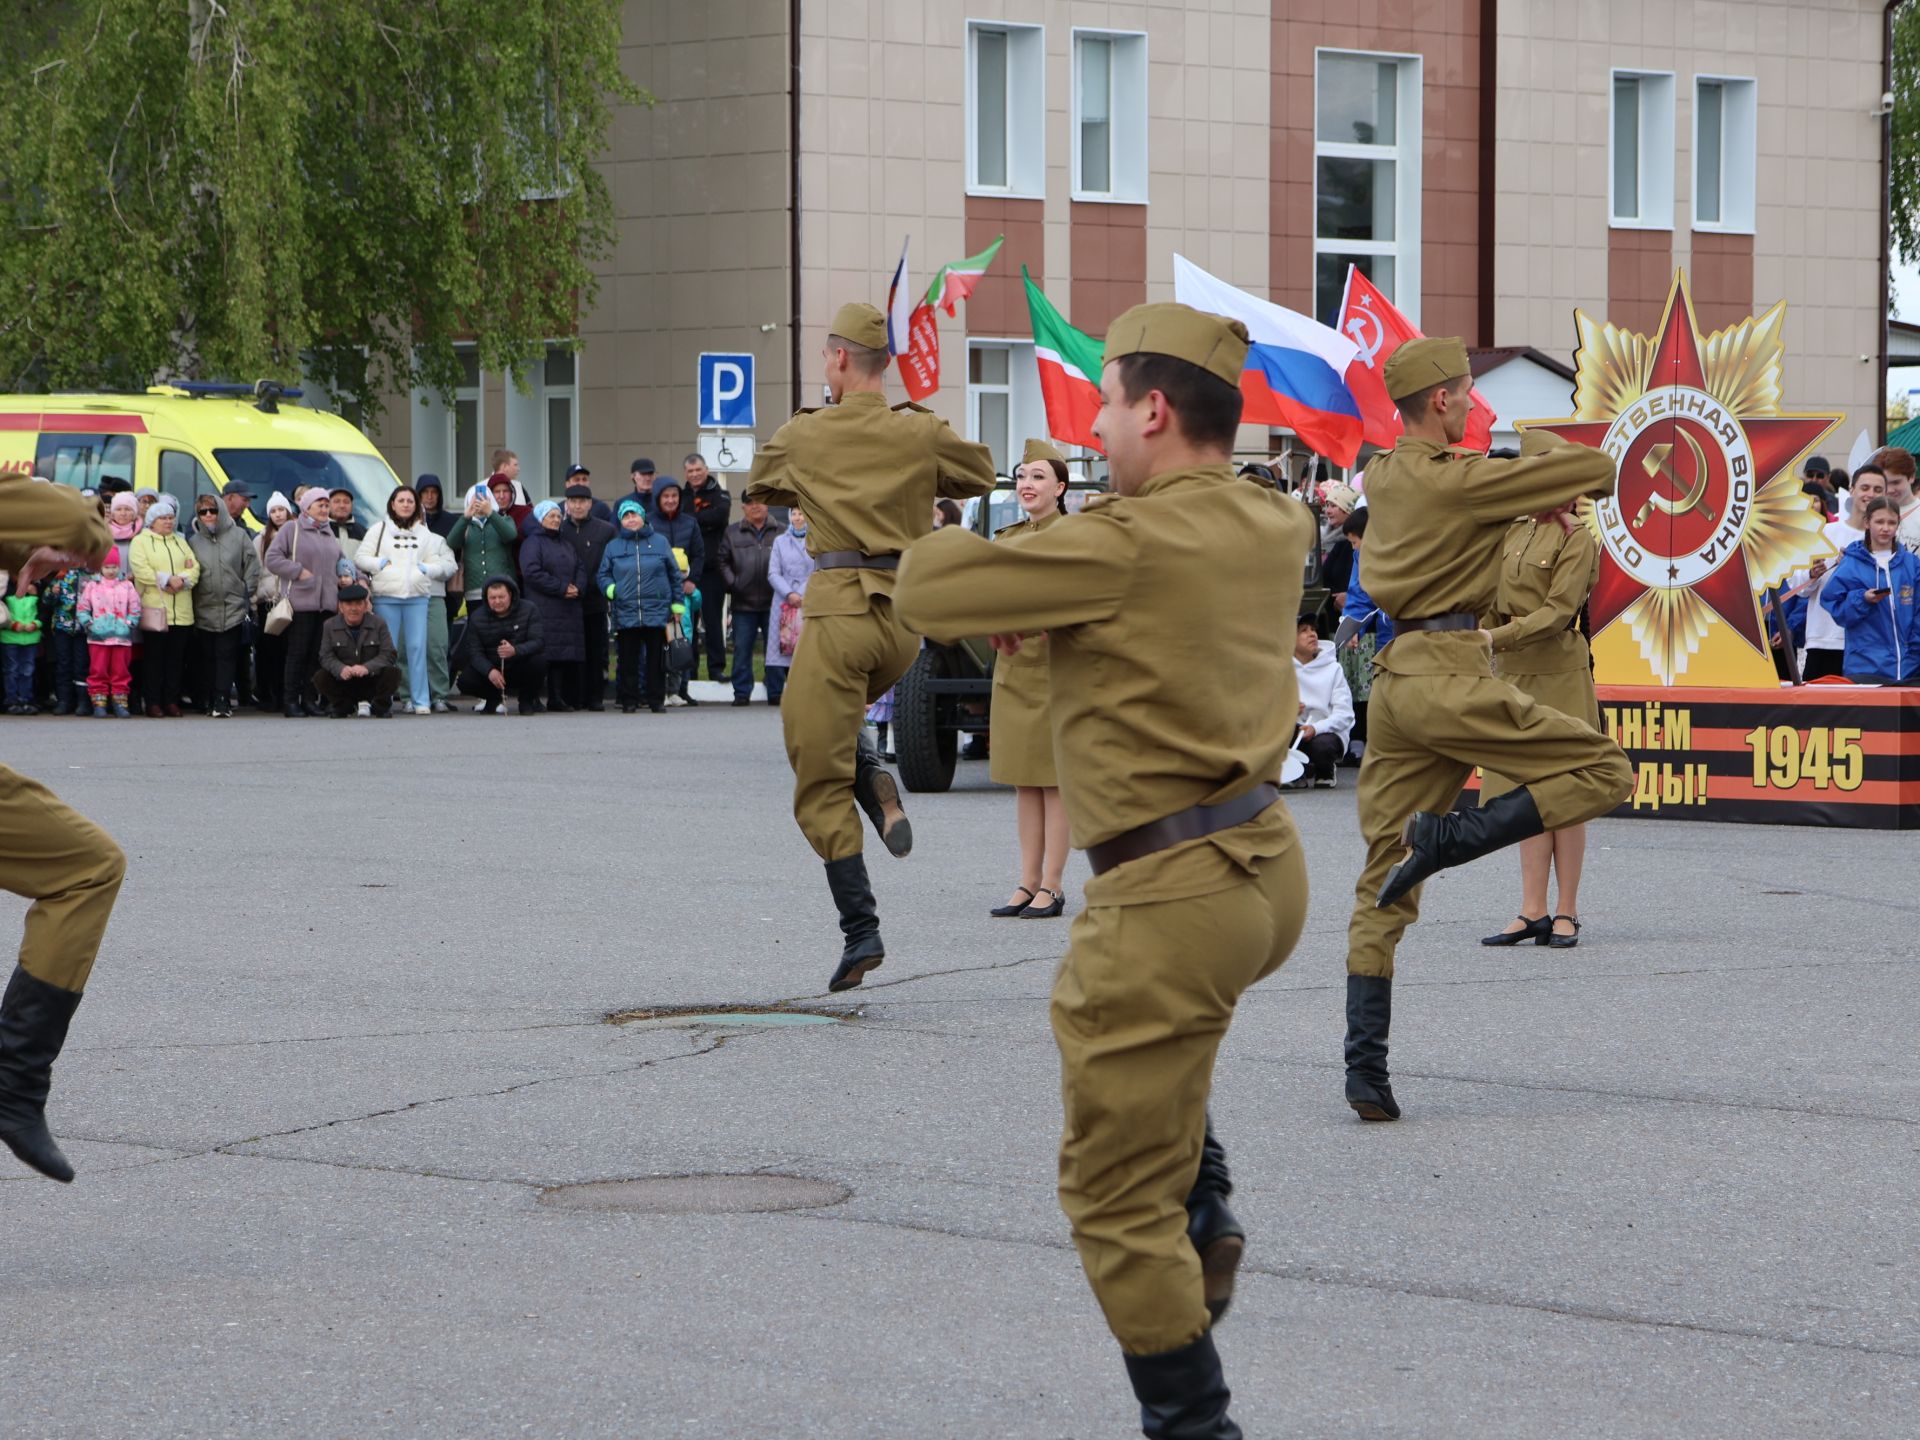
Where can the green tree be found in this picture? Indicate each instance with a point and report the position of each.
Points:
(1906, 131)
(241, 188)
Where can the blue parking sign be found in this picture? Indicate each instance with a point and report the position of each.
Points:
(726, 391)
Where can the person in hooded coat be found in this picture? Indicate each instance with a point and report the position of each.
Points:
(444, 603)
(503, 618)
(641, 581)
(682, 533)
(551, 569)
(222, 600)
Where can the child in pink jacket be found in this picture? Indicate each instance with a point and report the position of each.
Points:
(109, 612)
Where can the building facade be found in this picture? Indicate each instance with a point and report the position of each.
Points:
(1490, 164)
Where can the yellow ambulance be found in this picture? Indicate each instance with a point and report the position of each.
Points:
(194, 438)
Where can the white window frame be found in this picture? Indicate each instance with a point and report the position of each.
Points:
(1739, 153)
(1026, 110)
(1655, 175)
(1026, 407)
(1409, 166)
(528, 430)
(435, 435)
(1127, 123)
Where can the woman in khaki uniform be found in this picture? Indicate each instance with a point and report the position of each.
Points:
(1020, 751)
(1546, 574)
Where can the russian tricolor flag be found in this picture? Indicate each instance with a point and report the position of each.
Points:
(1296, 367)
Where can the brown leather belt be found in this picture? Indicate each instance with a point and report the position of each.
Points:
(1457, 621)
(854, 560)
(1188, 824)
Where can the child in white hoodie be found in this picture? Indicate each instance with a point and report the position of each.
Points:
(1326, 707)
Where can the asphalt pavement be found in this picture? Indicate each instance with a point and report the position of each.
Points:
(350, 1030)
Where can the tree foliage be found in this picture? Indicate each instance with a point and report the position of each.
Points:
(240, 188)
(1906, 131)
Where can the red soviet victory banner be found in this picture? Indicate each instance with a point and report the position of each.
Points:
(1376, 325)
(920, 361)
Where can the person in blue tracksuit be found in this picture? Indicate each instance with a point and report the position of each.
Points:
(1873, 596)
(641, 581)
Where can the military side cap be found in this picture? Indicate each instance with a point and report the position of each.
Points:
(1212, 342)
(1041, 450)
(860, 323)
(1421, 364)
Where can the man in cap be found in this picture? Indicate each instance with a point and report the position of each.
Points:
(237, 497)
(589, 534)
(867, 477)
(581, 478)
(1439, 515)
(49, 854)
(1169, 740)
(358, 664)
(642, 474)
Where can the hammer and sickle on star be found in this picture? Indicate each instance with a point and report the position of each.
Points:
(1659, 462)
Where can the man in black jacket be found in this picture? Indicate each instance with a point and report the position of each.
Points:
(358, 664)
(504, 651)
(744, 552)
(589, 535)
(711, 507)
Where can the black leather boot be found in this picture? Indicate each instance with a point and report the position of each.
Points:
(876, 793)
(1369, 1014)
(33, 1026)
(859, 921)
(1440, 842)
(1182, 1394)
(1213, 1231)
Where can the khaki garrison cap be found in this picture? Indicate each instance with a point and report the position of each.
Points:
(1421, 364)
(860, 323)
(1041, 450)
(1212, 342)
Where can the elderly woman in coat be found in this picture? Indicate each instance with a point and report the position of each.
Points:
(551, 568)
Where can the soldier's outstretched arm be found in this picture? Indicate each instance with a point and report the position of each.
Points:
(1501, 489)
(767, 482)
(35, 513)
(966, 469)
(953, 583)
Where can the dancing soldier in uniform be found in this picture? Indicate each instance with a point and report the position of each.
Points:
(50, 854)
(867, 477)
(1169, 740)
(1432, 556)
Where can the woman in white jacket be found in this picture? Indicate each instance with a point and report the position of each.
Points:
(1326, 707)
(408, 563)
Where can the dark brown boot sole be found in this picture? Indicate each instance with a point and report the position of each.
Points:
(896, 831)
(1368, 1110)
(1219, 1263)
(848, 979)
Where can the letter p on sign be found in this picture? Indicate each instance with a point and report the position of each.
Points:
(726, 392)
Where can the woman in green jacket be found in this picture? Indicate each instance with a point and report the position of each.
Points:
(484, 539)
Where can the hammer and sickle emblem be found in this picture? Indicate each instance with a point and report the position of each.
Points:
(1658, 463)
(1358, 326)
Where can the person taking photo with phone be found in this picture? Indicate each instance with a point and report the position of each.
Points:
(1872, 595)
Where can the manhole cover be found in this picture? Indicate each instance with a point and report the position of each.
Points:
(726, 1016)
(697, 1194)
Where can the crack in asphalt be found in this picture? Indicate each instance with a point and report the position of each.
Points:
(335, 1039)
(1483, 1298)
(923, 975)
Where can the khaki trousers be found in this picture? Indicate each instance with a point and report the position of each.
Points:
(68, 867)
(1140, 1006)
(1425, 734)
(843, 665)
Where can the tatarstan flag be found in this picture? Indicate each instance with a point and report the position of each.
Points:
(1069, 370)
(955, 282)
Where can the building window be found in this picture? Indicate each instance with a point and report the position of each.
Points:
(1006, 110)
(1110, 116)
(447, 439)
(1724, 153)
(542, 422)
(560, 376)
(990, 400)
(1366, 177)
(1640, 186)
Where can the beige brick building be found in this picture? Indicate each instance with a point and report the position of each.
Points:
(1491, 163)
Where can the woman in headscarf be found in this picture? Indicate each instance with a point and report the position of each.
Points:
(506, 499)
(641, 582)
(164, 569)
(550, 566)
(789, 569)
(269, 651)
(1020, 738)
(307, 556)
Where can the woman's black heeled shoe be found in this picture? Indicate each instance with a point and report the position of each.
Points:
(1007, 912)
(1045, 912)
(1564, 942)
(1540, 932)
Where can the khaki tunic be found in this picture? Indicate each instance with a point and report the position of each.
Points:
(867, 477)
(1546, 575)
(1440, 516)
(1152, 713)
(49, 853)
(1020, 737)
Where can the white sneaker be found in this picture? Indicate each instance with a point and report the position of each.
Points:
(676, 699)
(423, 709)
(1332, 782)
(364, 710)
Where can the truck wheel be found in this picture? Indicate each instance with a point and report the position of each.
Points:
(926, 753)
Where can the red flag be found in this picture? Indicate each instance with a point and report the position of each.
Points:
(1372, 322)
(920, 361)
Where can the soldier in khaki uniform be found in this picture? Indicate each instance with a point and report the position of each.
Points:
(1169, 740)
(1433, 548)
(867, 477)
(65, 864)
(1547, 571)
